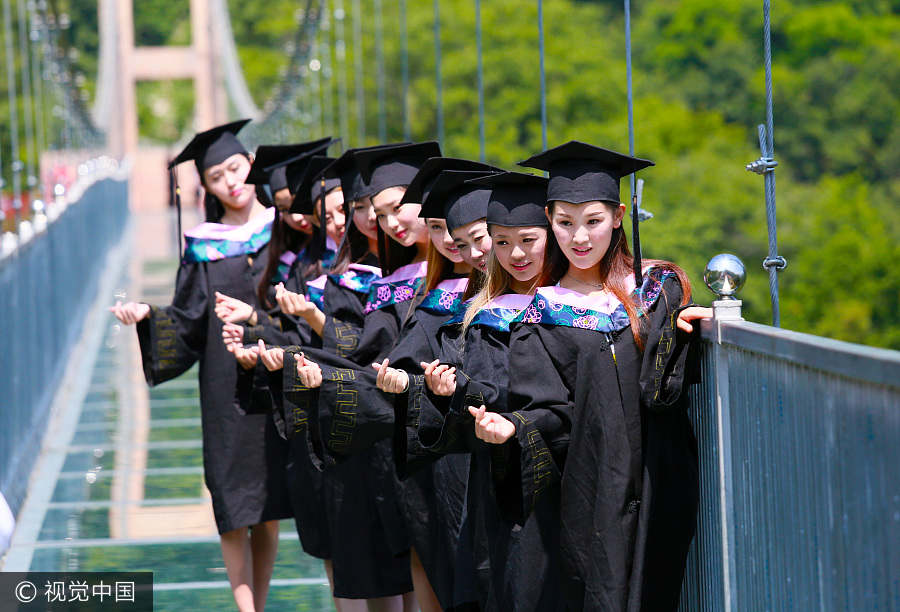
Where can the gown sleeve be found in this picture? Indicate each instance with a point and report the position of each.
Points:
(670, 360)
(173, 337)
(542, 408)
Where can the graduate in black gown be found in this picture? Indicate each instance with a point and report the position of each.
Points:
(243, 456)
(519, 565)
(370, 541)
(598, 367)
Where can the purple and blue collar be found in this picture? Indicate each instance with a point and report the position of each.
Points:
(215, 241)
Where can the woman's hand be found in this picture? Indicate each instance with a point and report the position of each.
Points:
(690, 314)
(292, 303)
(130, 312)
(390, 380)
(231, 310)
(440, 378)
(309, 372)
(491, 427)
(246, 357)
(272, 358)
(232, 334)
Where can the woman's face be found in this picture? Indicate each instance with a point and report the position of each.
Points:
(474, 243)
(401, 222)
(226, 182)
(334, 214)
(584, 231)
(442, 241)
(364, 218)
(520, 250)
(297, 222)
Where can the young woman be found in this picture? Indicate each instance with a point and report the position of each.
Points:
(596, 402)
(520, 567)
(243, 456)
(370, 560)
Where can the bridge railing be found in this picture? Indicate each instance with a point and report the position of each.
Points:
(47, 283)
(799, 441)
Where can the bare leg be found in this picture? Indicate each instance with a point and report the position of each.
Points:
(428, 601)
(387, 604)
(239, 566)
(411, 604)
(341, 604)
(264, 548)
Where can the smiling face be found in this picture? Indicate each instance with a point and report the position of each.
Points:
(364, 218)
(226, 182)
(474, 243)
(520, 250)
(442, 241)
(584, 231)
(334, 214)
(401, 222)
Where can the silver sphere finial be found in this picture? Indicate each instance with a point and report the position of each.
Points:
(725, 275)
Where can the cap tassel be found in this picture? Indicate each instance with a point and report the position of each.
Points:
(176, 195)
(636, 240)
(322, 223)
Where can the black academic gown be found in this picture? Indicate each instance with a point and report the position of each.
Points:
(606, 423)
(370, 543)
(306, 483)
(518, 564)
(243, 455)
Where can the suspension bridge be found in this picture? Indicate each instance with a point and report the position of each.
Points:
(798, 434)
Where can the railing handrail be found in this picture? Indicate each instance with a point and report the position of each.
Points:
(855, 361)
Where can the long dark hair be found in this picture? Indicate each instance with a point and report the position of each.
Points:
(284, 238)
(393, 255)
(615, 267)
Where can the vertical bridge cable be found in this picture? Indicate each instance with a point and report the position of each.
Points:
(543, 78)
(341, 57)
(437, 69)
(15, 163)
(480, 81)
(379, 66)
(635, 219)
(37, 82)
(404, 60)
(327, 42)
(765, 166)
(27, 98)
(358, 75)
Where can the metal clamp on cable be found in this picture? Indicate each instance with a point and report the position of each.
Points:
(762, 165)
(778, 262)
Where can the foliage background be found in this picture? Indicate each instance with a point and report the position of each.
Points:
(699, 94)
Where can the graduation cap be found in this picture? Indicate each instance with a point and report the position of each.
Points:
(345, 169)
(580, 173)
(394, 166)
(270, 161)
(310, 183)
(422, 183)
(455, 200)
(517, 199)
(212, 146)
(206, 149)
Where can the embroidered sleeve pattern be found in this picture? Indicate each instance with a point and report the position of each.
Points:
(346, 408)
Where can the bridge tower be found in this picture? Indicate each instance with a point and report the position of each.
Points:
(123, 65)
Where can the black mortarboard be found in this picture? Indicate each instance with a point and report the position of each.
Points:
(581, 172)
(393, 166)
(417, 191)
(455, 200)
(270, 160)
(517, 199)
(310, 184)
(212, 146)
(345, 169)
